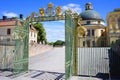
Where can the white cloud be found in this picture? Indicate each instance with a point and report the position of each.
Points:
(10, 14)
(55, 34)
(55, 30)
(73, 7)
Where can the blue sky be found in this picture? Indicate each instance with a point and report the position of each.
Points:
(15, 7)
(55, 30)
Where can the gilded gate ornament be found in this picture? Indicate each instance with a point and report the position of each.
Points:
(69, 11)
(58, 11)
(32, 14)
(48, 14)
(27, 18)
(50, 10)
(42, 12)
(81, 29)
(50, 5)
(75, 14)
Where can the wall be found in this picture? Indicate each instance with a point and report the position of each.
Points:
(6, 56)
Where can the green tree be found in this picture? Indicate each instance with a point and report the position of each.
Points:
(41, 33)
(59, 42)
(50, 43)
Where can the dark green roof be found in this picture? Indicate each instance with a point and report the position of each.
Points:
(90, 15)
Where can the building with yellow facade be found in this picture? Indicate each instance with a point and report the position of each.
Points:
(94, 24)
(113, 26)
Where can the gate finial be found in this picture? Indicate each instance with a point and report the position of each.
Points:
(42, 12)
(50, 5)
(58, 11)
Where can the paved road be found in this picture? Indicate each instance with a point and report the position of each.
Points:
(53, 61)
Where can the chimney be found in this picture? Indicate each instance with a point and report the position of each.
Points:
(4, 17)
(21, 16)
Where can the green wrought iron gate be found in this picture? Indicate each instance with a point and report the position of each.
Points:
(14, 50)
(71, 47)
(21, 48)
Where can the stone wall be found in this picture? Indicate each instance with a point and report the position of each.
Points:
(38, 49)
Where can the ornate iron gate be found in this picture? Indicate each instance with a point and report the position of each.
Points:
(71, 47)
(21, 48)
(14, 50)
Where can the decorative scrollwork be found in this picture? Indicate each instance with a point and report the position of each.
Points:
(58, 11)
(50, 13)
(81, 29)
(50, 10)
(69, 11)
(50, 5)
(75, 14)
(42, 12)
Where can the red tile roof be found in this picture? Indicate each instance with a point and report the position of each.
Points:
(7, 23)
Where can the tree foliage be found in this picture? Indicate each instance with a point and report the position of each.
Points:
(41, 33)
(58, 43)
(50, 43)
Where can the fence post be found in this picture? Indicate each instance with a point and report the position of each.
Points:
(75, 55)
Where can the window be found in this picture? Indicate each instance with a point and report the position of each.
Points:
(119, 23)
(101, 32)
(88, 33)
(8, 31)
(93, 32)
(83, 43)
(88, 43)
(93, 43)
(112, 19)
(88, 22)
